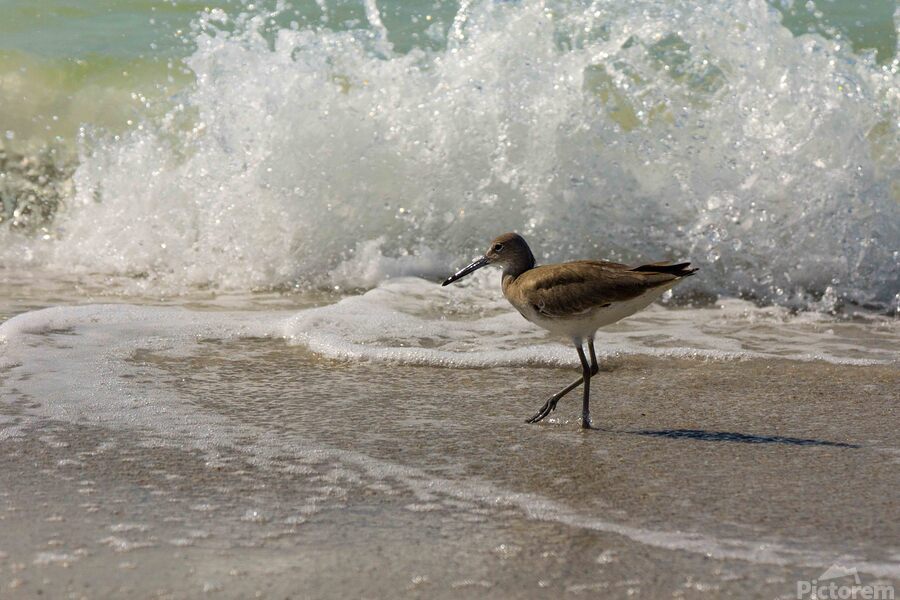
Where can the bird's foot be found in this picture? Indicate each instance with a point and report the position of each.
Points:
(586, 421)
(548, 407)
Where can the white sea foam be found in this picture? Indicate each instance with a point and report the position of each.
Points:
(630, 129)
(411, 321)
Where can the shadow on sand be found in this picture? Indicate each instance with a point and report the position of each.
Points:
(743, 438)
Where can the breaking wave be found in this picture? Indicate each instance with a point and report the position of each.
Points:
(625, 130)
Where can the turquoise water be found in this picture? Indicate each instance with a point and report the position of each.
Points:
(139, 29)
(66, 63)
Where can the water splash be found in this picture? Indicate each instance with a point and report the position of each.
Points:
(628, 130)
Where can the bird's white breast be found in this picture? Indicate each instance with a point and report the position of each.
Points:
(585, 324)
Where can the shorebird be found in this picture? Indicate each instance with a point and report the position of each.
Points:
(574, 299)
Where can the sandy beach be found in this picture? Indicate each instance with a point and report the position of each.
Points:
(704, 479)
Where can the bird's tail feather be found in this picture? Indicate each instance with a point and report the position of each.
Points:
(680, 269)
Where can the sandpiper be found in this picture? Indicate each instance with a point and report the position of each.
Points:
(574, 299)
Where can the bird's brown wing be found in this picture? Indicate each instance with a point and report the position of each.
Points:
(573, 288)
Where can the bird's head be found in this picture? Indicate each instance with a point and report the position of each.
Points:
(509, 251)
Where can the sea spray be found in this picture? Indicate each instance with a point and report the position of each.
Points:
(627, 130)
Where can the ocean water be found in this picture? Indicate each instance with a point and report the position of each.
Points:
(213, 215)
(315, 146)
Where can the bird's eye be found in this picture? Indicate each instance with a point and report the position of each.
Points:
(497, 247)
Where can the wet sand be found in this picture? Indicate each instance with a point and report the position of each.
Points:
(704, 479)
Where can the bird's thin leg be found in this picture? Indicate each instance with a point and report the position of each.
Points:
(586, 374)
(550, 405)
(595, 367)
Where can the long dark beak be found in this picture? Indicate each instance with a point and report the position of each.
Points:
(476, 264)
